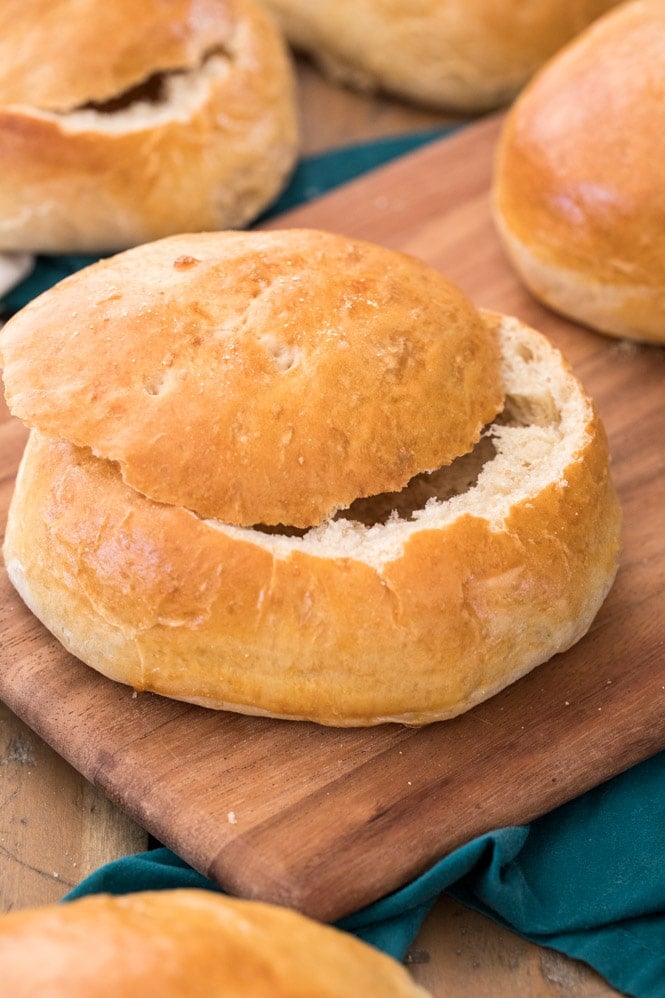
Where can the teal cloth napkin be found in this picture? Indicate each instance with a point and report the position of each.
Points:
(587, 879)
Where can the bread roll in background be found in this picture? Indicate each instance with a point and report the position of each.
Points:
(344, 362)
(187, 944)
(121, 122)
(579, 195)
(458, 55)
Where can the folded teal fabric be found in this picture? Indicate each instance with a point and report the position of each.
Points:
(587, 879)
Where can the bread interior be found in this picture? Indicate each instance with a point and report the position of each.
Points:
(528, 448)
(162, 96)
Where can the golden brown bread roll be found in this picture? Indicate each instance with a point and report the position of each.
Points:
(123, 122)
(460, 55)
(187, 944)
(408, 606)
(578, 192)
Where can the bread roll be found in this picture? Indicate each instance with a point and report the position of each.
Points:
(406, 606)
(579, 194)
(459, 55)
(123, 122)
(187, 944)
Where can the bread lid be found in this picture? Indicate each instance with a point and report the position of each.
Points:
(60, 60)
(257, 378)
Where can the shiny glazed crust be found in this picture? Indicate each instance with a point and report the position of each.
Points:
(188, 944)
(410, 619)
(579, 197)
(259, 378)
(465, 55)
(195, 130)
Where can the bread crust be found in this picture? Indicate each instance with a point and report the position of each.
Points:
(578, 191)
(103, 49)
(188, 944)
(211, 150)
(259, 378)
(409, 621)
(461, 55)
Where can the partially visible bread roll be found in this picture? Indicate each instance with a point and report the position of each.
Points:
(579, 195)
(410, 606)
(187, 944)
(459, 55)
(123, 122)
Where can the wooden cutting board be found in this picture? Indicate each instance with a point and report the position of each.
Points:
(328, 820)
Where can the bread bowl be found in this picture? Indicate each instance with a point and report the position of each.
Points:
(428, 593)
(456, 55)
(579, 198)
(143, 120)
(186, 943)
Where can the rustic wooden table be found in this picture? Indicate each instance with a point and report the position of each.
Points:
(55, 827)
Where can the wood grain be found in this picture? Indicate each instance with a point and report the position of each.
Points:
(329, 820)
(55, 828)
(461, 954)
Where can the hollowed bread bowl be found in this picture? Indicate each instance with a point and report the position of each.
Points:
(294, 474)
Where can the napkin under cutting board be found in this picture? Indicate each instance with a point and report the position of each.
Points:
(328, 820)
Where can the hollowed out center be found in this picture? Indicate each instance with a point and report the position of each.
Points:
(154, 91)
(150, 91)
(442, 484)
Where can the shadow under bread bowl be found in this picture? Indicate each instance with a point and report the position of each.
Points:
(459, 55)
(579, 197)
(187, 943)
(124, 122)
(191, 398)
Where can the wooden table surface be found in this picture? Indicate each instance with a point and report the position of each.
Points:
(55, 827)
